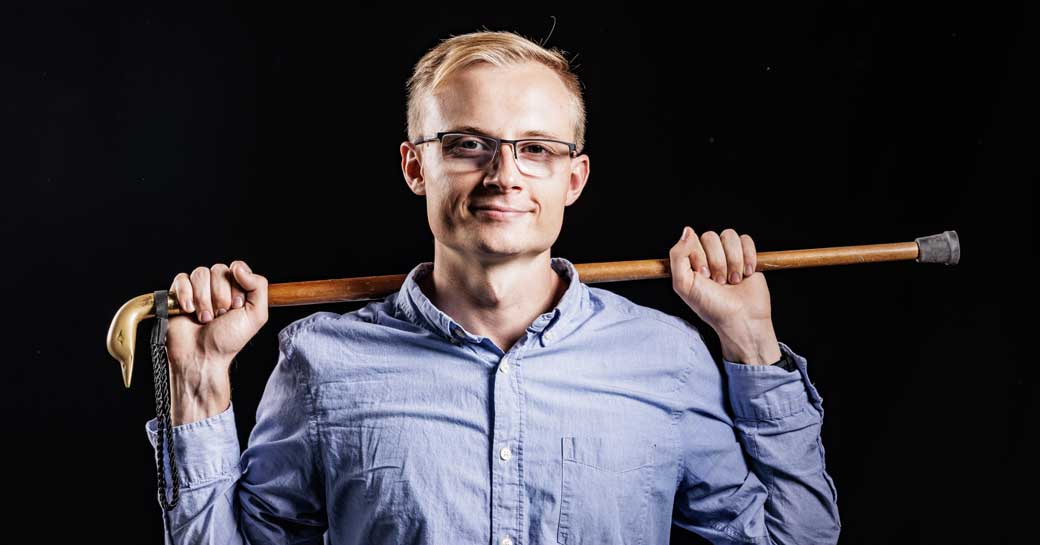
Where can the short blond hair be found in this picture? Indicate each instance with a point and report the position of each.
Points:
(499, 48)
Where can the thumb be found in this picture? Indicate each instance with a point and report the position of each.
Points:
(254, 285)
(686, 257)
(683, 276)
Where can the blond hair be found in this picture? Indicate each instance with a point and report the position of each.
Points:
(498, 48)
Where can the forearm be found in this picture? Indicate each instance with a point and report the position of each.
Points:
(779, 415)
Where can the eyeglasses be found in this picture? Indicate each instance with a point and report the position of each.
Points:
(535, 157)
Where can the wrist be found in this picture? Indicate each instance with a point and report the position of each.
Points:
(198, 392)
(751, 343)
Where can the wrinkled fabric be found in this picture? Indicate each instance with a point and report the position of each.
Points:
(607, 422)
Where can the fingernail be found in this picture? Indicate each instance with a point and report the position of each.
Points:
(685, 233)
(749, 270)
(705, 272)
(221, 311)
(720, 279)
(206, 316)
(238, 301)
(734, 277)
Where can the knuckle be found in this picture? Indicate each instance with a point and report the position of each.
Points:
(727, 233)
(200, 272)
(180, 281)
(219, 268)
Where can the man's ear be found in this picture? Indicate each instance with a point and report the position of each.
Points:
(579, 176)
(411, 167)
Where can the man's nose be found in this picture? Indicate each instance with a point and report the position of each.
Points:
(504, 169)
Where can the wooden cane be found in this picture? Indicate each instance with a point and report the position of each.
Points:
(122, 333)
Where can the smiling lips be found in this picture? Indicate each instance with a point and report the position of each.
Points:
(497, 211)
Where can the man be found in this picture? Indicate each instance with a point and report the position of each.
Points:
(495, 398)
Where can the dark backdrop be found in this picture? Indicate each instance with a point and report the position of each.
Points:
(141, 142)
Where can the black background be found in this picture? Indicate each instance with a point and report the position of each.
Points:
(140, 142)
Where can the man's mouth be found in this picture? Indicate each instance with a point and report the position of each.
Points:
(498, 212)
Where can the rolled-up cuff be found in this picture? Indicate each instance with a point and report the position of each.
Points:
(766, 392)
(205, 450)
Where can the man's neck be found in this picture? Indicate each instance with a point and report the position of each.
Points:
(498, 300)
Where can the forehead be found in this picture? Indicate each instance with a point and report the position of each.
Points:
(508, 102)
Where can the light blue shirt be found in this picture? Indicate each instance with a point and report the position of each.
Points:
(607, 422)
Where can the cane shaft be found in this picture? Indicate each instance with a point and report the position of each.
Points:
(366, 288)
(943, 248)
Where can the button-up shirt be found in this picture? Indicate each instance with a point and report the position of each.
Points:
(606, 422)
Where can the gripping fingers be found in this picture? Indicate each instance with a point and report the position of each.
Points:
(238, 297)
(200, 284)
(220, 288)
(698, 260)
(181, 287)
(734, 256)
(686, 258)
(716, 255)
(750, 255)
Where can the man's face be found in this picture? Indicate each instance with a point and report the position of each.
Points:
(505, 103)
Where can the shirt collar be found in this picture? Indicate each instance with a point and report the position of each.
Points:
(552, 326)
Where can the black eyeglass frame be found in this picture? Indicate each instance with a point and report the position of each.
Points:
(499, 141)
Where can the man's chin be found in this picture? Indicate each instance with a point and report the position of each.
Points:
(499, 246)
(498, 251)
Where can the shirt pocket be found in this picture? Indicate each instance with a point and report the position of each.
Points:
(605, 491)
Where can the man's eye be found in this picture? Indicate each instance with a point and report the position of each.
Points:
(542, 148)
(467, 144)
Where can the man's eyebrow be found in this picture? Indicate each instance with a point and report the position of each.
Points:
(482, 132)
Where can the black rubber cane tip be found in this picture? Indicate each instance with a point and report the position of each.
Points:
(943, 248)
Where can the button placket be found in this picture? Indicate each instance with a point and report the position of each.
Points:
(505, 485)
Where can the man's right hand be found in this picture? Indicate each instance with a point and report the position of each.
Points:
(223, 307)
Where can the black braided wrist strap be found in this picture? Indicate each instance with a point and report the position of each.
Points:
(160, 378)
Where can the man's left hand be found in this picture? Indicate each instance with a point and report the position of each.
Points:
(715, 275)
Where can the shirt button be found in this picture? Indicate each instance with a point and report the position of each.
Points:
(506, 541)
(506, 454)
(504, 366)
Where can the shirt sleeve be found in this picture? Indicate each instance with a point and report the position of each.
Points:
(272, 493)
(753, 466)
